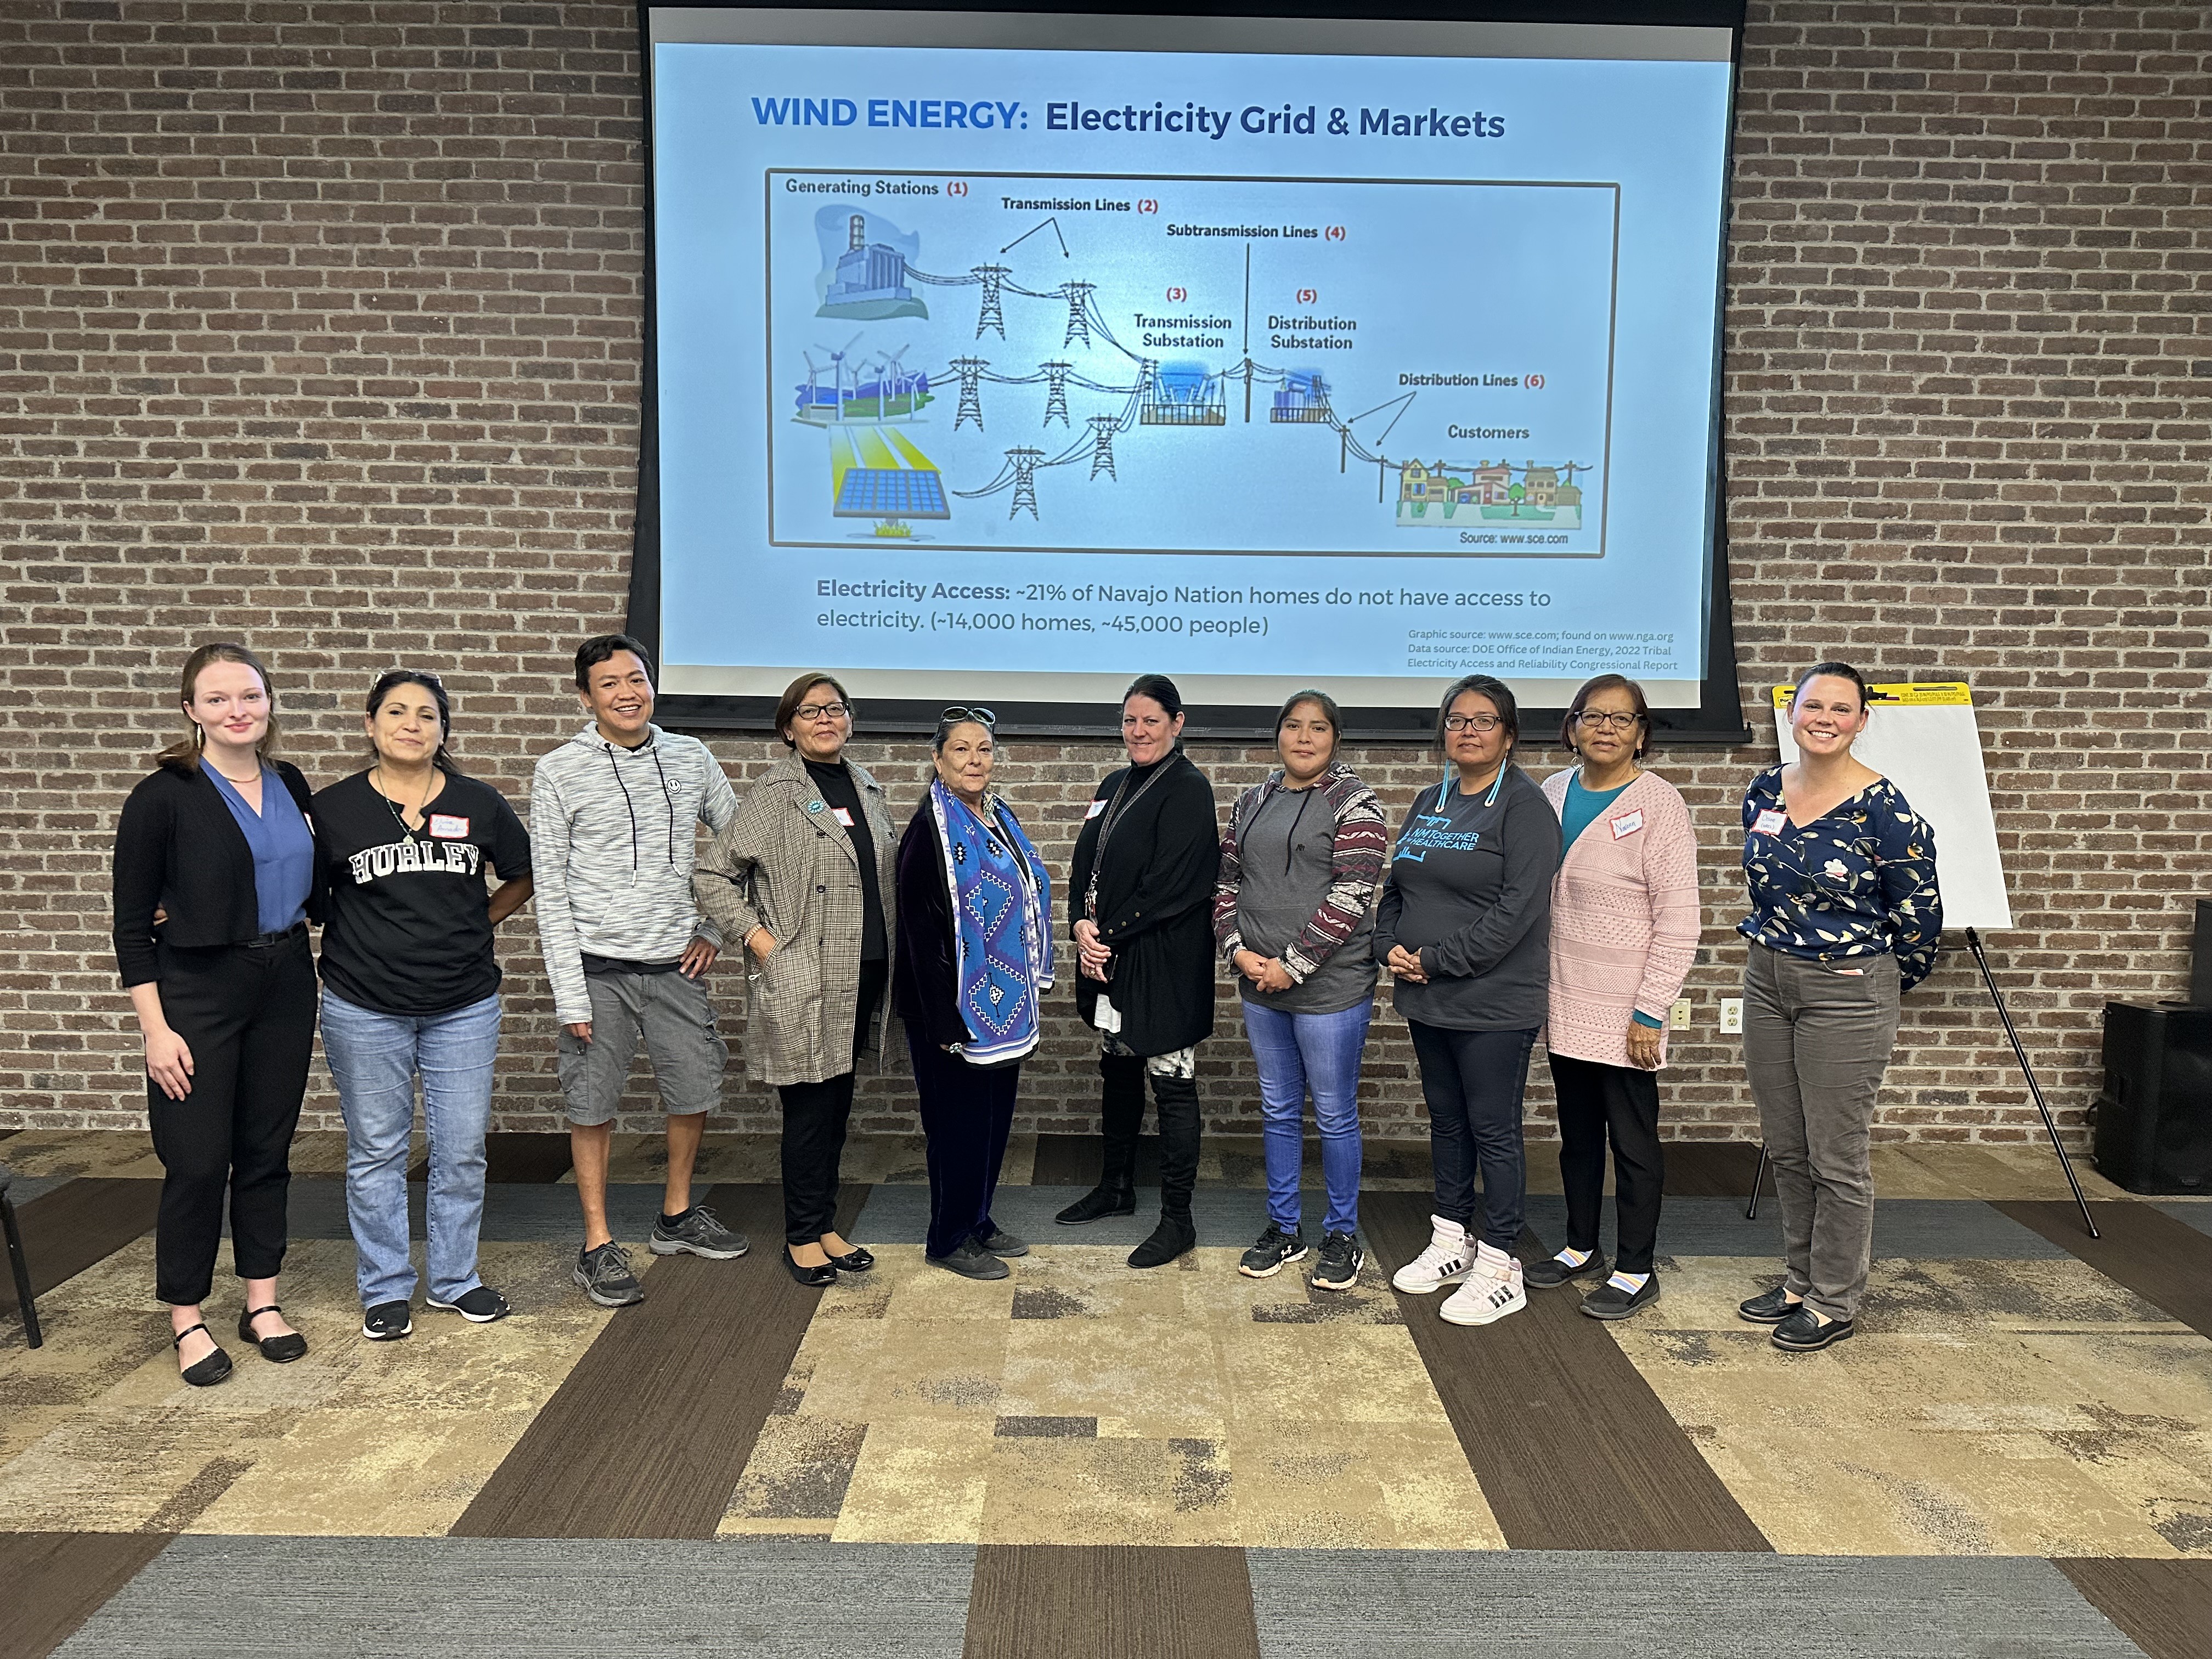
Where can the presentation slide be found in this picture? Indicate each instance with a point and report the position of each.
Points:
(1260, 354)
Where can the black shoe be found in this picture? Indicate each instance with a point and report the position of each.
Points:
(971, 1261)
(1342, 1258)
(388, 1322)
(1551, 1273)
(1771, 1309)
(814, 1278)
(1170, 1239)
(1002, 1242)
(1609, 1301)
(480, 1306)
(1107, 1198)
(204, 1373)
(1803, 1333)
(1275, 1250)
(604, 1275)
(855, 1261)
(277, 1350)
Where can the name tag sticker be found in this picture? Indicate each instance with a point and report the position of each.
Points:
(841, 816)
(1097, 807)
(445, 826)
(1626, 825)
(1770, 823)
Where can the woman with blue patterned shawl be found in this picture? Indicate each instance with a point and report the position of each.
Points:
(1845, 917)
(974, 952)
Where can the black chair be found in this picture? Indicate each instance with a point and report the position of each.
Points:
(22, 1269)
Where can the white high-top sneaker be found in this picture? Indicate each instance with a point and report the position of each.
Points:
(1448, 1258)
(1492, 1290)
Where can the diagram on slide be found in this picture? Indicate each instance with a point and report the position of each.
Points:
(1089, 363)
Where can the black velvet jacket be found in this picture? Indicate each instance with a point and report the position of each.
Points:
(926, 979)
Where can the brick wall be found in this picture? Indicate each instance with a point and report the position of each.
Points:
(320, 326)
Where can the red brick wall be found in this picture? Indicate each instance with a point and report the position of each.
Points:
(320, 326)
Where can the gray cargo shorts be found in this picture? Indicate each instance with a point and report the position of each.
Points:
(674, 1016)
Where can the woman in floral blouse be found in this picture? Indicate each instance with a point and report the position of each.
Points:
(1844, 918)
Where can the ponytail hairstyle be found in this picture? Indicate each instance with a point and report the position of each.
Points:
(391, 678)
(184, 753)
(1162, 691)
(1842, 671)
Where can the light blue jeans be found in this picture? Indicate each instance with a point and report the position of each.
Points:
(374, 1060)
(1297, 1053)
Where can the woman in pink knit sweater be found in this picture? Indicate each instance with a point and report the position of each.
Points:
(1624, 930)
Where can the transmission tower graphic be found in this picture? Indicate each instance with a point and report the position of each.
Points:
(990, 316)
(1102, 446)
(970, 370)
(1024, 462)
(1078, 300)
(1056, 395)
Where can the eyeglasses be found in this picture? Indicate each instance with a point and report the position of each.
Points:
(815, 711)
(1485, 723)
(1593, 720)
(957, 712)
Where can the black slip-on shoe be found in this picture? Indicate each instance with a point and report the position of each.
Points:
(1770, 1308)
(971, 1261)
(480, 1306)
(1803, 1333)
(1551, 1273)
(855, 1261)
(1609, 1301)
(814, 1278)
(388, 1322)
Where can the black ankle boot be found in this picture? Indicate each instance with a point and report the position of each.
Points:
(1112, 1196)
(1171, 1238)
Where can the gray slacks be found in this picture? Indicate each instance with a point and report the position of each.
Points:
(1816, 1040)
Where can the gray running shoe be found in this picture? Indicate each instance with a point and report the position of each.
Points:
(697, 1234)
(604, 1276)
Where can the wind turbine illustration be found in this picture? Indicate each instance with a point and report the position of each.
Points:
(837, 366)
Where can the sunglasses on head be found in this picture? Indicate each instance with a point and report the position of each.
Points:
(960, 712)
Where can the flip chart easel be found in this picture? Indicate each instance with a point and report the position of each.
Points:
(1924, 739)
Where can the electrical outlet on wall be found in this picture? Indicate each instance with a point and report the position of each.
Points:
(1732, 1016)
(1677, 1017)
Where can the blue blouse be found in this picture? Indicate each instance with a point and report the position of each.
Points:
(1857, 881)
(283, 848)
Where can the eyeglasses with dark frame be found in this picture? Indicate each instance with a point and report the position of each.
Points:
(815, 711)
(1482, 723)
(1595, 719)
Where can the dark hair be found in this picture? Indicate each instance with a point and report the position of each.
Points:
(1159, 688)
(394, 677)
(946, 721)
(599, 647)
(186, 752)
(1320, 700)
(1608, 683)
(786, 706)
(1509, 712)
(1842, 671)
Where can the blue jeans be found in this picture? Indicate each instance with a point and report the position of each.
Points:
(374, 1060)
(1320, 1052)
(1472, 1081)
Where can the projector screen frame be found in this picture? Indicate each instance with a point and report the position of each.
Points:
(1717, 719)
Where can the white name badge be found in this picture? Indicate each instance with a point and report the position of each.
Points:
(1626, 825)
(1770, 823)
(1097, 807)
(445, 826)
(841, 816)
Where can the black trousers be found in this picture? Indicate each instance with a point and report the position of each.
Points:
(815, 1118)
(248, 1013)
(967, 1112)
(1620, 1102)
(1122, 1114)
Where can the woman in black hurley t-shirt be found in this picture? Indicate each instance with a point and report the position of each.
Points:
(411, 988)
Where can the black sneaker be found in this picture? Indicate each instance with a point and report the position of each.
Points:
(1276, 1251)
(1551, 1273)
(604, 1276)
(1342, 1259)
(388, 1322)
(1002, 1242)
(697, 1232)
(1771, 1309)
(1803, 1333)
(1609, 1301)
(479, 1306)
(971, 1261)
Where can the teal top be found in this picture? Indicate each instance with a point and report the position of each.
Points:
(1583, 808)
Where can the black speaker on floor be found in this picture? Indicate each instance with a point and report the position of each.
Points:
(2200, 965)
(2154, 1123)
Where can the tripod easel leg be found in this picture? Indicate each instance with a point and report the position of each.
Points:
(1758, 1175)
(2050, 1125)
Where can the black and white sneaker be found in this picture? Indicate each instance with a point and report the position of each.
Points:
(1275, 1250)
(605, 1276)
(479, 1306)
(388, 1322)
(1342, 1258)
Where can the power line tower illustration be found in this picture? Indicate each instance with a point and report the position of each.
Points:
(1055, 394)
(990, 317)
(1102, 446)
(1024, 462)
(1078, 301)
(970, 371)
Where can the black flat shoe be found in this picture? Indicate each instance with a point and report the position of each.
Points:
(1000, 1242)
(1771, 1309)
(972, 1261)
(855, 1261)
(1609, 1301)
(277, 1350)
(1551, 1273)
(203, 1373)
(813, 1279)
(1107, 1198)
(1803, 1333)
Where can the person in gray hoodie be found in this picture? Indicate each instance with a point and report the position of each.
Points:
(612, 818)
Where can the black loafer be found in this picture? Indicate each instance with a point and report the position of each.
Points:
(855, 1261)
(1609, 1301)
(814, 1278)
(1551, 1272)
(1000, 1242)
(277, 1350)
(1803, 1333)
(204, 1373)
(1769, 1309)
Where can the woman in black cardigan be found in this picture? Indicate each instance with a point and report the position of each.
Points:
(1139, 895)
(217, 875)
